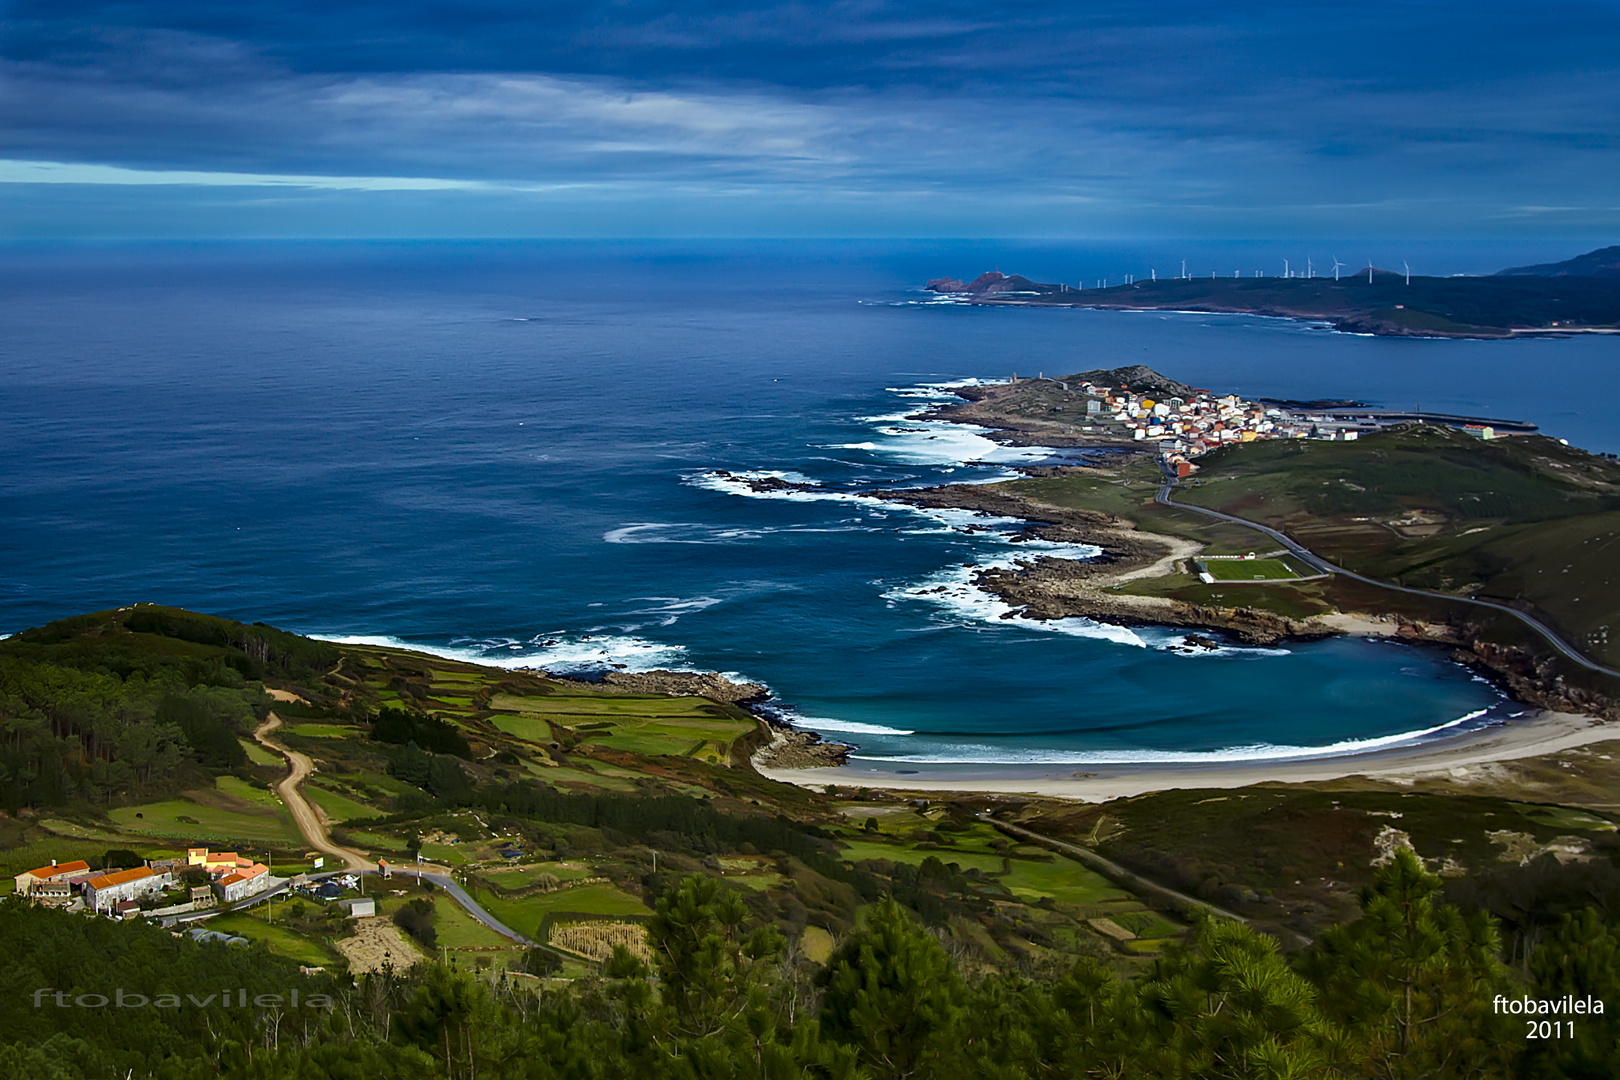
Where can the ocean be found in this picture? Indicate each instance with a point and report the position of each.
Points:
(529, 455)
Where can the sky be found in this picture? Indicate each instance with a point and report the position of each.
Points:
(864, 118)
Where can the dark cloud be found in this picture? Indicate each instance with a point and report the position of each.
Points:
(1233, 115)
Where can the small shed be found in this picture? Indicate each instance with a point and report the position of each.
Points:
(360, 908)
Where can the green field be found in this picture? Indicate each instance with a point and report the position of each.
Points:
(641, 724)
(520, 877)
(459, 930)
(325, 731)
(1061, 879)
(1522, 518)
(524, 914)
(256, 794)
(1248, 569)
(336, 806)
(259, 755)
(234, 812)
(274, 936)
(1130, 493)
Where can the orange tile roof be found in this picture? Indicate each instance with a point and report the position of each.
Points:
(74, 867)
(123, 877)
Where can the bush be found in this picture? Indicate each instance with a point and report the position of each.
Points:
(541, 962)
(416, 919)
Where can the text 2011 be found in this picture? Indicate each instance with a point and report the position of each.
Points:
(1549, 1029)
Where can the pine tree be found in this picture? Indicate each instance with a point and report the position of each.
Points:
(1413, 979)
(1230, 1006)
(1582, 957)
(893, 997)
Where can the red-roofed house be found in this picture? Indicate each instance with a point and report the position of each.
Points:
(54, 872)
(105, 892)
(241, 884)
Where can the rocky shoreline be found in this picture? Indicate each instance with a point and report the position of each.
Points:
(1050, 588)
(791, 748)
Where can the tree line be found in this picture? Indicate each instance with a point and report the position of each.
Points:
(1408, 990)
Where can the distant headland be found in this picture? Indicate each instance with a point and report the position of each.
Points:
(1579, 295)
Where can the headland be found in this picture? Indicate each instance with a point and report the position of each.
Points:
(1579, 296)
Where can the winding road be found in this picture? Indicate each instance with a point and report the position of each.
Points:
(1311, 559)
(308, 819)
(304, 813)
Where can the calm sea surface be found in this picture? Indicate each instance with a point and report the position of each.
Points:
(510, 452)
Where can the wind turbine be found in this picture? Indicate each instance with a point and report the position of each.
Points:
(1336, 265)
(1286, 272)
(1408, 271)
(1184, 269)
(1310, 269)
(1369, 271)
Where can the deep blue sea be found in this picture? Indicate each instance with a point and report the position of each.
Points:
(509, 452)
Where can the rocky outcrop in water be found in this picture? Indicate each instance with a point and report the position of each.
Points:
(791, 748)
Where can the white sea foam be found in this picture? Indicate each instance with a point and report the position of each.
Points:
(1178, 645)
(740, 483)
(937, 442)
(843, 727)
(562, 651)
(671, 608)
(979, 754)
(952, 589)
(649, 532)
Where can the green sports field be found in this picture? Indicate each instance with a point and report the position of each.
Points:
(1248, 569)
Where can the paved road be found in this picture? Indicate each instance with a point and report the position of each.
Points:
(1310, 558)
(460, 896)
(1116, 871)
(304, 814)
(299, 767)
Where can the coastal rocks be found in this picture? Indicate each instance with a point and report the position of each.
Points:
(762, 484)
(705, 684)
(791, 748)
(1039, 592)
(1122, 546)
(1534, 679)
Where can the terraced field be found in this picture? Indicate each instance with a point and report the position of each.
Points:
(640, 724)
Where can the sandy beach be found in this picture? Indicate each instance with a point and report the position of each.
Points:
(1528, 736)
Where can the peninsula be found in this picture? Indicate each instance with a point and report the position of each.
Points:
(1581, 295)
(1270, 521)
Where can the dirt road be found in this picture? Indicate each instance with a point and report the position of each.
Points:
(303, 811)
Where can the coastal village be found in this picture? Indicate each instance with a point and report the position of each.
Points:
(1191, 423)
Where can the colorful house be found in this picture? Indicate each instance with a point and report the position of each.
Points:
(239, 884)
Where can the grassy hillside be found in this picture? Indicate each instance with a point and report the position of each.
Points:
(587, 817)
(559, 802)
(1524, 520)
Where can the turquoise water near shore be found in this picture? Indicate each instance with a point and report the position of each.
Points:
(515, 453)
